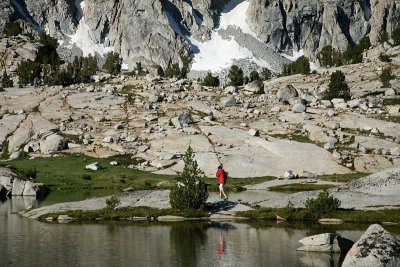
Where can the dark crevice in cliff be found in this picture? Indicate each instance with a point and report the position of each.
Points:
(175, 13)
(285, 42)
(344, 24)
(22, 11)
(366, 7)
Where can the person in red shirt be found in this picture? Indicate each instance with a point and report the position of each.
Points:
(221, 175)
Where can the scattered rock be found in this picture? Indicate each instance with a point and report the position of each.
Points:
(298, 108)
(231, 89)
(254, 132)
(228, 101)
(93, 166)
(395, 151)
(289, 174)
(255, 87)
(335, 126)
(53, 143)
(285, 93)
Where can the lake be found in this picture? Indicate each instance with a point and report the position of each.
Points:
(26, 242)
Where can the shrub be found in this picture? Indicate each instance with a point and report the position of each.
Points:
(265, 74)
(384, 37)
(337, 87)
(47, 53)
(113, 63)
(12, 28)
(31, 173)
(173, 71)
(330, 57)
(236, 76)
(139, 69)
(353, 54)
(28, 71)
(300, 66)
(185, 67)
(396, 36)
(254, 76)
(87, 177)
(385, 76)
(384, 58)
(6, 80)
(112, 202)
(190, 191)
(210, 80)
(323, 205)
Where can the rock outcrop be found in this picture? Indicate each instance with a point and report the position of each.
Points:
(310, 25)
(11, 184)
(376, 247)
(128, 27)
(386, 182)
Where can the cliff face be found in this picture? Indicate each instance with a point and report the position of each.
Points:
(155, 31)
(6, 11)
(311, 25)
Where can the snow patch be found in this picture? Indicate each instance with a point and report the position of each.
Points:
(234, 14)
(124, 66)
(83, 38)
(218, 53)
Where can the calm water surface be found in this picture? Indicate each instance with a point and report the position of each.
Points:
(26, 242)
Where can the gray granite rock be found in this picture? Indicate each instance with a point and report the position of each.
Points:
(376, 247)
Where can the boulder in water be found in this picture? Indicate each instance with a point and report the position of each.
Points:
(327, 242)
(376, 247)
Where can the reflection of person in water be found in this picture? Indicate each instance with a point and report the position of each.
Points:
(221, 249)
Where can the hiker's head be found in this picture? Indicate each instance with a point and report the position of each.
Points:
(219, 167)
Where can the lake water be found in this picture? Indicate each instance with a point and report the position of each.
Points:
(25, 242)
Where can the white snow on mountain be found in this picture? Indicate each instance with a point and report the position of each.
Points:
(217, 53)
(296, 55)
(83, 38)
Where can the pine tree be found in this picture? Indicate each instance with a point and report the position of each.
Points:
(210, 80)
(385, 76)
(236, 76)
(265, 74)
(190, 191)
(6, 80)
(254, 76)
(337, 87)
(113, 63)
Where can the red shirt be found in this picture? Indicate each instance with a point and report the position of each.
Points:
(221, 175)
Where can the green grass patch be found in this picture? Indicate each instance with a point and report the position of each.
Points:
(302, 215)
(395, 119)
(342, 178)
(391, 101)
(68, 172)
(127, 213)
(375, 93)
(300, 187)
(298, 137)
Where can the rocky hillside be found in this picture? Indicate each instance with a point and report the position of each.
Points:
(161, 31)
(279, 127)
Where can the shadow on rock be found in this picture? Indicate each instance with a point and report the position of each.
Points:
(223, 205)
